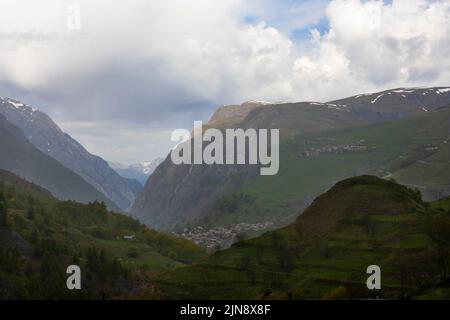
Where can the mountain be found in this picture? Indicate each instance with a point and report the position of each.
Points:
(43, 236)
(325, 253)
(139, 171)
(19, 156)
(135, 186)
(182, 196)
(413, 150)
(9, 179)
(45, 135)
(227, 116)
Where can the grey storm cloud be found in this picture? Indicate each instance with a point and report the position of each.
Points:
(135, 94)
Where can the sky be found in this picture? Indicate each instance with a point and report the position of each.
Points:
(120, 76)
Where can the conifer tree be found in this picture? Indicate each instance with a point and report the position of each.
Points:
(3, 212)
(30, 213)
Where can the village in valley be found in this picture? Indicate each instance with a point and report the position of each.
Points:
(336, 149)
(222, 237)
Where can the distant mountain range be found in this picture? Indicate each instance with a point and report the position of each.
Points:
(139, 171)
(321, 143)
(46, 136)
(400, 133)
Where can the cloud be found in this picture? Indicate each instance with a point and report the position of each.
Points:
(139, 69)
(371, 45)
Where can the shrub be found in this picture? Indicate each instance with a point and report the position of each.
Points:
(133, 253)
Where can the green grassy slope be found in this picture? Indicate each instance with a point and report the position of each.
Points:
(442, 204)
(360, 222)
(51, 234)
(414, 151)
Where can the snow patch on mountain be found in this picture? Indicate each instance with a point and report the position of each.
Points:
(147, 167)
(329, 105)
(377, 98)
(139, 171)
(405, 93)
(259, 102)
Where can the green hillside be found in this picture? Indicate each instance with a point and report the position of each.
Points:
(40, 236)
(360, 222)
(413, 151)
(8, 179)
(442, 204)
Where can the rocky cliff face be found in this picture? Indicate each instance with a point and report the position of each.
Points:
(45, 135)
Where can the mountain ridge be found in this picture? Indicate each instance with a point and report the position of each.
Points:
(22, 158)
(46, 136)
(186, 194)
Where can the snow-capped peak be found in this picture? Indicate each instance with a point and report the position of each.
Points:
(147, 167)
(17, 105)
